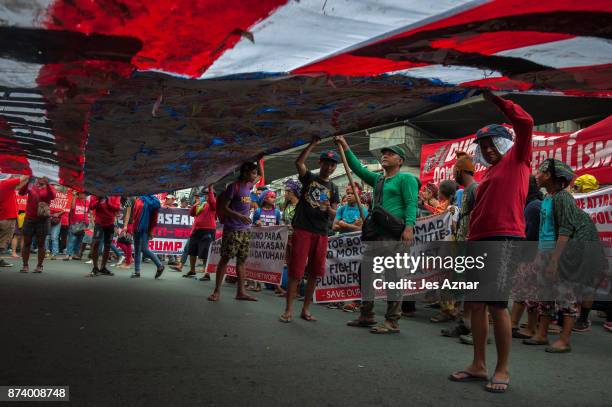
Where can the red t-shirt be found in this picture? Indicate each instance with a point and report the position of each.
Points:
(106, 210)
(36, 195)
(206, 217)
(79, 213)
(8, 199)
(500, 197)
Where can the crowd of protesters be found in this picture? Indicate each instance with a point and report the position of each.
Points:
(507, 205)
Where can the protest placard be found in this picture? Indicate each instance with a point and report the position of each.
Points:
(172, 231)
(266, 259)
(344, 255)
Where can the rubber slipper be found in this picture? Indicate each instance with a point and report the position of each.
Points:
(552, 349)
(518, 335)
(493, 382)
(246, 298)
(362, 323)
(308, 317)
(284, 318)
(534, 342)
(469, 377)
(383, 330)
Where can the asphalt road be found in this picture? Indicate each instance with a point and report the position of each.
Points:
(118, 341)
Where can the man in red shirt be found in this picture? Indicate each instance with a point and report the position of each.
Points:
(498, 216)
(203, 233)
(40, 194)
(8, 211)
(105, 210)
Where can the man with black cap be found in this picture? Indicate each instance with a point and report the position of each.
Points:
(314, 211)
(399, 198)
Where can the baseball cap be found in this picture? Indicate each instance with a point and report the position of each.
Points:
(396, 150)
(330, 155)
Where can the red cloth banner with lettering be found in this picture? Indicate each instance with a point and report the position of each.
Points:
(587, 151)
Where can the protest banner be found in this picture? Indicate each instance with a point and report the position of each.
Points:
(266, 259)
(598, 205)
(587, 151)
(344, 254)
(172, 231)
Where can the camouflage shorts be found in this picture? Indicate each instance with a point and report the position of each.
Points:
(236, 244)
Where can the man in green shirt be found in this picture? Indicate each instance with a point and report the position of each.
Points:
(400, 198)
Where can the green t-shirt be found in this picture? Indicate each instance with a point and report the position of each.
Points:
(400, 192)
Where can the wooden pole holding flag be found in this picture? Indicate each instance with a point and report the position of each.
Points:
(351, 182)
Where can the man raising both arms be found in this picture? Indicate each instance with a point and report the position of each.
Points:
(399, 198)
(313, 214)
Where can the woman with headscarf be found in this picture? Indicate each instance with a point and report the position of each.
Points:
(570, 253)
(498, 216)
(292, 196)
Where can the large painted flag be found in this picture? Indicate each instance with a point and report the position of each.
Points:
(133, 96)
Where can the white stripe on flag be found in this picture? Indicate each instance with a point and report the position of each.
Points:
(40, 169)
(15, 74)
(574, 52)
(23, 13)
(19, 109)
(33, 119)
(453, 74)
(302, 32)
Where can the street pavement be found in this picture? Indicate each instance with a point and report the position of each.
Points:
(118, 341)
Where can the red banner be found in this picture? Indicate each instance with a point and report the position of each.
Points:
(587, 151)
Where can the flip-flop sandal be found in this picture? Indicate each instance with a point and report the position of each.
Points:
(493, 382)
(518, 335)
(24, 270)
(362, 323)
(188, 275)
(38, 269)
(308, 317)
(469, 377)
(534, 342)
(383, 330)
(552, 349)
(285, 319)
(246, 298)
